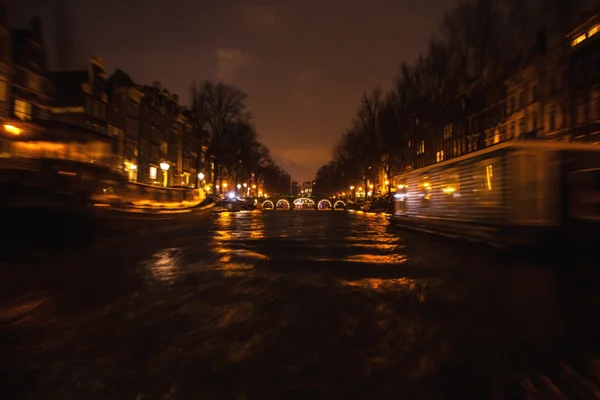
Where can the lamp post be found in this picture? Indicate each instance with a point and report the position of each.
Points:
(353, 193)
(200, 179)
(165, 168)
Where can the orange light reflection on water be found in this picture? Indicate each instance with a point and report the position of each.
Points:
(165, 264)
(376, 258)
(394, 284)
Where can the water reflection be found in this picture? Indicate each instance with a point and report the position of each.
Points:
(394, 284)
(376, 258)
(165, 264)
(293, 305)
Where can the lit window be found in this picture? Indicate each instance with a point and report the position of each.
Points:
(22, 109)
(152, 172)
(595, 29)
(578, 40)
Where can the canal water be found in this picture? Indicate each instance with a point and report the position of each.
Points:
(295, 304)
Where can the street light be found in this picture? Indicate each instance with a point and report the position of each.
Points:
(245, 185)
(225, 185)
(201, 176)
(239, 186)
(165, 167)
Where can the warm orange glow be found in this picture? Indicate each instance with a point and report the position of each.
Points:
(253, 186)
(13, 130)
(489, 173)
(400, 186)
(224, 184)
(387, 183)
(448, 190)
(595, 29)
(578, 40)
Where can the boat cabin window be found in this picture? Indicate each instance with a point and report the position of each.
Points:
(425, 191)
(450, 187)
(486, 179)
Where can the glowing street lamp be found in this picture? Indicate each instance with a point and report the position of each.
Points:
(201, 176)
(239, 186)
(225, 185)
(245, 185)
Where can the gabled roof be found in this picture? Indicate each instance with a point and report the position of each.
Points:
(68, 88)
(119, 79)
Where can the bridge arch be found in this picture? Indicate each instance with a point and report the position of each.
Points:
(338, 205)
(283, 203)
(324, 204)
(304, 202)
(268, 205)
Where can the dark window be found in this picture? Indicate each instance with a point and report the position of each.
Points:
(552, 118)
(522, 99)
(552, 84)
(521, 126)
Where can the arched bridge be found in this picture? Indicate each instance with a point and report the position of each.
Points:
(303, 203)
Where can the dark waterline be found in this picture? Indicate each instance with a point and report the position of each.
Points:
(288, 304)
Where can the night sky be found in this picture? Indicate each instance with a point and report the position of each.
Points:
(303, 63)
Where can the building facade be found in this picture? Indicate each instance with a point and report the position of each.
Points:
(80, 96)
(122, 121)
(584, 80)
(5, 60)
(30, 88)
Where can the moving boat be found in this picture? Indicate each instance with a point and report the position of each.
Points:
(517, 192)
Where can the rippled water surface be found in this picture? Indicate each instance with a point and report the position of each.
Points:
(291, 304)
